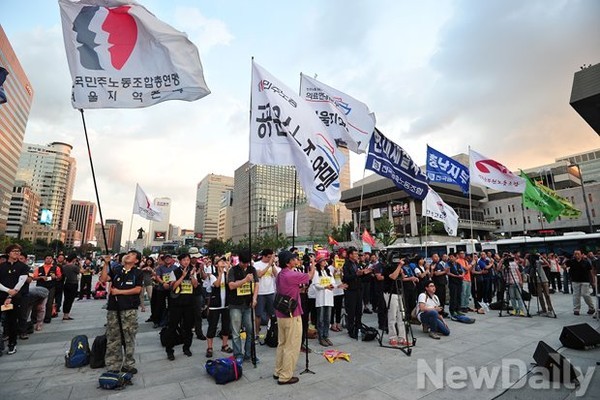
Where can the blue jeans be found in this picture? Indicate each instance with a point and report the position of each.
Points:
(465, 295)
(323, 315)
(241, 317)
(431, 319)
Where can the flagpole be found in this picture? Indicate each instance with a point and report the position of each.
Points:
(87, 141)
(132, 214)
(362, 191)
(249, 172)
(426, 230)
(294, 212)
(470, 205)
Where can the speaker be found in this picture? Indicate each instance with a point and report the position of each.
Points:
(559, 367)
(579, 336)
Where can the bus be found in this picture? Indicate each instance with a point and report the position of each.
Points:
(397, 251)
(560, 245)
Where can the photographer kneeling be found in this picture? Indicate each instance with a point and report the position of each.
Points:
(430, 312)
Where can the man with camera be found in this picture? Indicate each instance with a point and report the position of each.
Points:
(514, 282)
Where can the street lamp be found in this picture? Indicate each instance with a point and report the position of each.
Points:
(587, 209)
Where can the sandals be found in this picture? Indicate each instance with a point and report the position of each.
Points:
(404, 342)
(226, 349)
(209, 352)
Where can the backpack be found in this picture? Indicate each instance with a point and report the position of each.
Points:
(165, 340)
(98, 352)
(368, 333)
(79, 352)
(224, 370)
(114, 380)
(272, 339)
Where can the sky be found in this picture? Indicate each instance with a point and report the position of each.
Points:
(494, 75)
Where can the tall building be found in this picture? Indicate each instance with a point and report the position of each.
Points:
(160, 230)
(83, 216)
(268, 188)
(50, 170)
(13, 120)
(118, 233)
(109, 231)
(24, 209)
(209, 194)
(225, 216)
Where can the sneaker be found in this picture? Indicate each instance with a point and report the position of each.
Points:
(521, 313)
(591, 312)
(187, 352)
(131, 370)
(575, 312)
(434, 335)
(12, 349)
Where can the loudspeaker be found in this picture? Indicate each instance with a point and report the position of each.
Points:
(559, 367)
(579, 336)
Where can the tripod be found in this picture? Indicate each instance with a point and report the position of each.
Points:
(506, 272)
(406, 349)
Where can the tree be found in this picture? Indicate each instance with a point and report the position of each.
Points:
(433, 228)
(386, 232)
(216, 246)
(343, 232)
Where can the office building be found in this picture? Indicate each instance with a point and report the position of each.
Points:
(588, 162)
(50, 171)
(24, 209)
(45, 233)
(225, 216)
(13, 120)
(109, 232)
(209, 194)
(83, 216)
(118, 233)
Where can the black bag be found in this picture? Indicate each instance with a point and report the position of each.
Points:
(368, 333)
(165, 341)
(98, 352)
(525, 295)
(285, 304)
(271, 339)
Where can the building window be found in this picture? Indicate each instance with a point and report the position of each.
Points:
(528, 219)
(593, 213)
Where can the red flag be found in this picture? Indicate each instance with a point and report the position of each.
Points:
(332, 241)
(367, 238)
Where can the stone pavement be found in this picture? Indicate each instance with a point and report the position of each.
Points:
(37, 370)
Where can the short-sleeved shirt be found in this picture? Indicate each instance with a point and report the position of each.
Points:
(71, 273)
(183, 294)
(9, 277)
(241, 297)
(288, 284)
(392, 286)
(121, 279)
(439, 280)
(466, 273)
(164, 272)
(267, 281)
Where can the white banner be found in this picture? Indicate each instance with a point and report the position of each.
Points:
(285, 131)
(490, 173)
(122, 56)
(434, 207)
(143, 207)
(346, 118)
(291, 223)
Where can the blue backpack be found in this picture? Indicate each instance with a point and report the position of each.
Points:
(79, 352)
(115, 380)
(224, 370)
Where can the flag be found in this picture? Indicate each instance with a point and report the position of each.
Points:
(332, 241)
(3, 75)
(285, 131)
(122, 56)
(537, 199)
(143, 207)
(569, 211)
(389, 160)
(367, 238)
(443, 169)
(490, 173)
(346, 118)
(434, 207)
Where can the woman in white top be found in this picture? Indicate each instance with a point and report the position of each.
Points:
(429, 312)
(338, 296)
(323, 285)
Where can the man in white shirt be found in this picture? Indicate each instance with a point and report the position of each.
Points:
(267, 272)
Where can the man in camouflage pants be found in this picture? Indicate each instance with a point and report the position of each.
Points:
(123, 302)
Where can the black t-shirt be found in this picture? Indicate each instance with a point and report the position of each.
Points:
(240, 297)
(124, 280)
(183, 295)
(392, 286)
(456, 269)
(579, 270)
(9, 277)
(439, 280)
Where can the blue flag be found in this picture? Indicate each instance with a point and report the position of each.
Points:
(388, 159)
(443, 169)
(3, 75)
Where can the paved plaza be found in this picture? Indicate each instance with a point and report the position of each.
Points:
(504, 345)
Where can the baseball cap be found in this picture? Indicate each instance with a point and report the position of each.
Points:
(285, 257)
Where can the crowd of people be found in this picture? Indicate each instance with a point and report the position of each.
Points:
(238, 295)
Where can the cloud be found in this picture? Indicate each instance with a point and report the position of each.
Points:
(205, 32)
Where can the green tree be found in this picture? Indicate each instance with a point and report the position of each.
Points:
(343, 232)
(386, 232)
(433, 228)
(215, 246)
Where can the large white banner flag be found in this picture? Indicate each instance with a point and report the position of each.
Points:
(346, 118)
(284, 130)
(490, 173)
(143, 207)
(122, 56)
(434, 207)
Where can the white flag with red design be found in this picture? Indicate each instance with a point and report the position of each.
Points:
(143, 207)
(490, 173)
(122, 56)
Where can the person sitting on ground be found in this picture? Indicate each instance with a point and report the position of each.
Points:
(430, 312)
